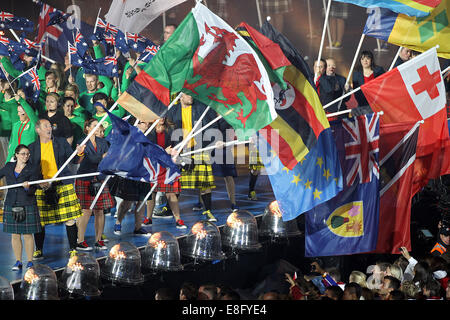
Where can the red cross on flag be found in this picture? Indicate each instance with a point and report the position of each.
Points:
(415, 91)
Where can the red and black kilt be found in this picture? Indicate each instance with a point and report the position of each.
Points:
(104, 201)
(166, 188)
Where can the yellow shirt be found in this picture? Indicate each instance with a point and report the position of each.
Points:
(48, 162)
(186, 119)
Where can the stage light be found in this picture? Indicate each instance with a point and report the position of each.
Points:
(6, 289)
(241, 231)
(162, 253)
(123, 265)
(272, 224)
(39, 283)
(81, 275)
(203, 242)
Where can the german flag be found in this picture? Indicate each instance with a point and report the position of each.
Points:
(301, 117)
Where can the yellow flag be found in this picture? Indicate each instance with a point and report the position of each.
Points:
(421, 34)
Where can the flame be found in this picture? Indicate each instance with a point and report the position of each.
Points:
(156, 243)
(233, 221)
(275, 209)
(74, 265)
(198, 230)
(116, 254)
(30, 276)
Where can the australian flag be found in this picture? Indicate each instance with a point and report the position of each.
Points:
(4, 46)
(149, 52)
(131, 155)
(9, 21)
(121, 43)
(80, 43)
(30, 83)
(74, 56)
(348, 223)
(106, 66)
(137, 42)
(56, 36)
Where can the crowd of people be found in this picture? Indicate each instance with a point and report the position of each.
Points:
(39, 137)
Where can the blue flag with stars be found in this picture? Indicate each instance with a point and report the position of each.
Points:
(314, 180)
(348, 223)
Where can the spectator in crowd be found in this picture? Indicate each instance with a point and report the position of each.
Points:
(358, 277)
(396, 295)
(352, 291)
(188, 291)
(334, 293)
(165, 294)
(208, 291)
(403, 56)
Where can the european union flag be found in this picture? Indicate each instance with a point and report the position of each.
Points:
(314, 180)
(348, 223)
(131, 155)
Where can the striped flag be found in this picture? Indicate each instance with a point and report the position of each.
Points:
(414, 8)
(301, 118)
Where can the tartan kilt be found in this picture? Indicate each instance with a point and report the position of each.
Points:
(104, 201)
(68, 206)
(128, 189)
(31, 224)
(339, 10)
(168, 188)
(275, 6)
(201, 176)
(254, 160)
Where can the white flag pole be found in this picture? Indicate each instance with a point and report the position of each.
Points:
(258, 9)
(51, 180)
(147, 196)
(310, 20)
(395, 58)
(18, 40)
(96, 20)
(330, 41)
(146, 133)
(350, 73)
(181, 145)
(323, 35)
(225, 145)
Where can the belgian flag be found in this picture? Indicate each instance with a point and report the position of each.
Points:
(301, 117)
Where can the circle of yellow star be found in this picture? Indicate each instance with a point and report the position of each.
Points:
(286, 169)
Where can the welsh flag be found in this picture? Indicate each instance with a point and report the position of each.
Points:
(207, 59)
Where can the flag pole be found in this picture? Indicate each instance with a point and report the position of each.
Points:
(355, 90)
(146, 133)
(258, 9)
(147, 196)
(7, 77)
(18, 40)
(51, 180)
(96, 20)
(323, 34)
(350, 73)
(395, 58)
(181, 145)
(309, 19)
(225, 145)
(330, 42)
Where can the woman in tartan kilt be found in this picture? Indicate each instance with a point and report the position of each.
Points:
(161, 136)
(89, 156)
(24, 221)
(197, 174)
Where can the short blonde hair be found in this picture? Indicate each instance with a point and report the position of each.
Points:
(358, 277)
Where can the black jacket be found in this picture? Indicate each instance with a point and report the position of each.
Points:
(92, 157)
(331, 88)
(62, 151)
(358, 80)
(19, 196)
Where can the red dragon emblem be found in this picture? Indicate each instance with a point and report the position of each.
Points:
(243, 76)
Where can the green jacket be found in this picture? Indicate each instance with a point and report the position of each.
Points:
(8, 115)
(23, 131)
